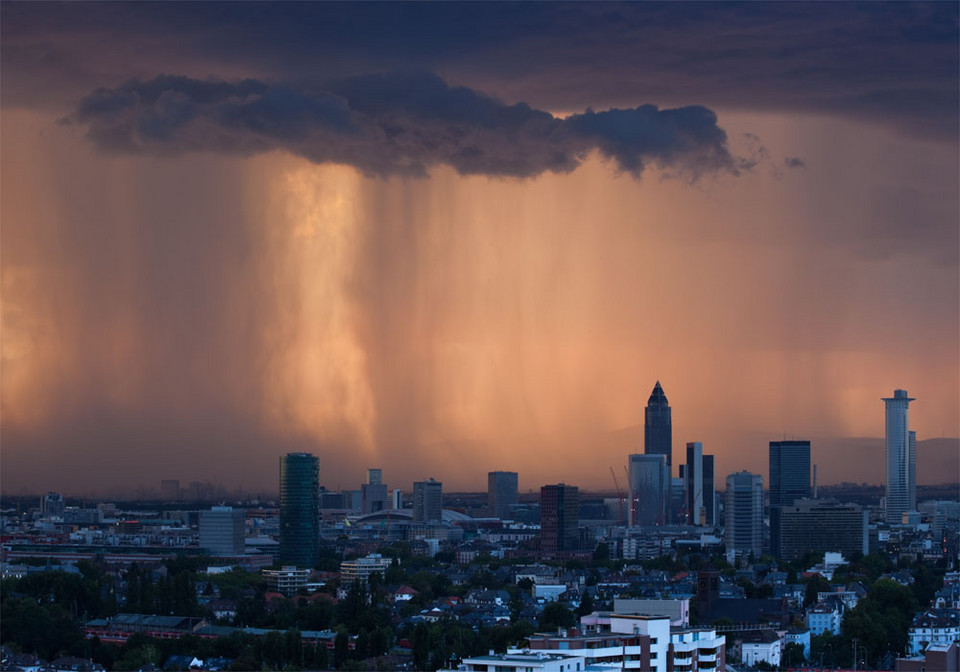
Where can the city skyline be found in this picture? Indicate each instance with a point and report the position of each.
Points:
(452, 239)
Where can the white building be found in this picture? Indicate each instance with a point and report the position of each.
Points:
(697, 649)
(524, 661)
(934, 627)
(823, 617)
(287, 580)
(901, 493)
(744, 515)
(361, 568)
(760, 646)
(656, 627)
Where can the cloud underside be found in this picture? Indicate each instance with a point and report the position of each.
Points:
(396, 124)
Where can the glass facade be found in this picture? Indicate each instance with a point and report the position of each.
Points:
(299, 509)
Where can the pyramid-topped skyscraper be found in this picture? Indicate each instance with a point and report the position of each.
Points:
(657, 426)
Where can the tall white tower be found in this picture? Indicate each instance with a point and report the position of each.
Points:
(901, 458)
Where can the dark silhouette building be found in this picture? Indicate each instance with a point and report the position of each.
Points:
(657, 426)
(789, 482)
(428, 501)
(559, 518)
(502, 489)
(299, 509)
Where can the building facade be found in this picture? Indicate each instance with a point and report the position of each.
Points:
(223, 531)
(299, 509)
(502, 489)
(789, 481)
(901, 458)
(744, 515)
(559, 518)
(649, 483)
(821, 526)
(427, 501)
(698, 487)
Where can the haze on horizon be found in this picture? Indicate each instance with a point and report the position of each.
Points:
(449, 239)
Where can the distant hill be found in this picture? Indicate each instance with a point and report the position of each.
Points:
(855, 460)
(863, 460)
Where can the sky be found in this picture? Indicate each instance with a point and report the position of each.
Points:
(449, 238)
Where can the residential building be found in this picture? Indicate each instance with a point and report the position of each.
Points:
(759, 646)
(286, 580)
(559, 518)
(933, 627)
(901, 487)
(789, 481)
(299, 509)
(824, 617)
(502, 488)
(223, 531)
(427, 501)
(823, 525)
(744, 515)
(649, 484)
(361, 568)
(801, 637)
(638, 642)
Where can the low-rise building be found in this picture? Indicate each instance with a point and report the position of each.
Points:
(524, 661)
(933, 627)
(759, 646)
(361, 568)
(286, 580)
(824, 617)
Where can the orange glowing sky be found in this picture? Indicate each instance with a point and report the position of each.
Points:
(195, 315)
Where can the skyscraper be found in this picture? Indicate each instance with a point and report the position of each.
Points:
(427, 501)
(744, 514)
(501, 492)
(649, 483)
(657, 426)
(698, 487)
(789, 481)
(901, 457)
(299, 509)
(559, 518)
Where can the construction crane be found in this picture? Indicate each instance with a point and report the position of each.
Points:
(622, 499)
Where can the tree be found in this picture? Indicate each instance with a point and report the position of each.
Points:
(556, 615)
(586, 605)
(421, 646)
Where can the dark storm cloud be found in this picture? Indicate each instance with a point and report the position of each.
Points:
(397, 123)
(794, 162)
(894, 63)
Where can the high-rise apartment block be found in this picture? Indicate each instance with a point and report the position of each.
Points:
(299, 509)
(744, 514)
(901, 458)
(502, 488)
(820, 526)
(559, 518)
(649, 484)
(789, 481)
(222, 531)
(427, 501)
